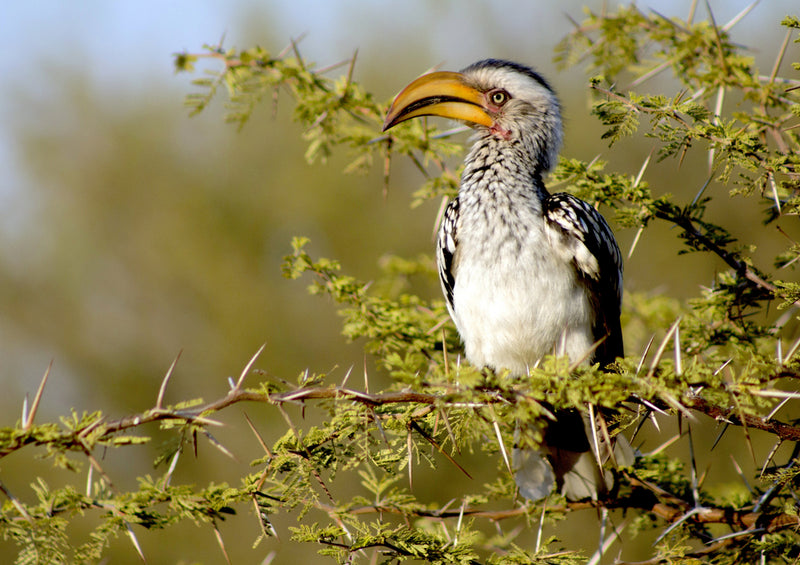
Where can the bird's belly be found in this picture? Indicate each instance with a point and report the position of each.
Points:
(511, 313)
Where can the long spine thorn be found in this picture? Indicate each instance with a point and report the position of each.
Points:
(246, 370)
(28, 420)
(163, 388)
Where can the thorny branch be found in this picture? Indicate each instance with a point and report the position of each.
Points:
(782, 430)
(785, 432)
(742, 268)
(768, 522)
(199, 415)
(660, 503)
(685, 223)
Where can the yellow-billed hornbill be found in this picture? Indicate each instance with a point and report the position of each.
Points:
(525, 273)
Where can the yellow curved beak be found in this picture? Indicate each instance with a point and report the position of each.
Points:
(442, 93)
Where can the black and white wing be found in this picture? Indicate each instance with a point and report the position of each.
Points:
(585, 236)
(446, 252)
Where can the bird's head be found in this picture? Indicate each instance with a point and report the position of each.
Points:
(501, 99)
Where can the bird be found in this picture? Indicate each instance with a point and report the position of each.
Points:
(525, 273)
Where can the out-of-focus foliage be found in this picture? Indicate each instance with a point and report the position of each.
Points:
(347, 458)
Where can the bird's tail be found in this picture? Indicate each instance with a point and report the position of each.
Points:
(568, 460)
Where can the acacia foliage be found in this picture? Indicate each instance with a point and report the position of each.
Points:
(726, 356)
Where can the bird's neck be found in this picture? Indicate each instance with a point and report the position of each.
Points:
(506, 169)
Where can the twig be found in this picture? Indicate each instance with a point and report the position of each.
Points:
(785, 432)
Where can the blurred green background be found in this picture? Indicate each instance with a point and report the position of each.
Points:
(130, 232)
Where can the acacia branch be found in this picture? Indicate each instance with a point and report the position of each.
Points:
(686, 224)
(200, 415)
(764, 521)
(783, 431)
(741, 267)
(241, 395)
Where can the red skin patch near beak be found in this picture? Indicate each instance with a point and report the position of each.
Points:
(500, 132)
(494, 110)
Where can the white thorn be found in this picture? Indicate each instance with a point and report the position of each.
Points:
(249, 365)
(738, 17)
(163, 388)
(89, 481)
(502, 447)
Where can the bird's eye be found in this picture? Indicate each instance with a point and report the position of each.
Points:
(499, 97)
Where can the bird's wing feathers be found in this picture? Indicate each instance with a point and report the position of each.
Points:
(446, 251)
(594, 253)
